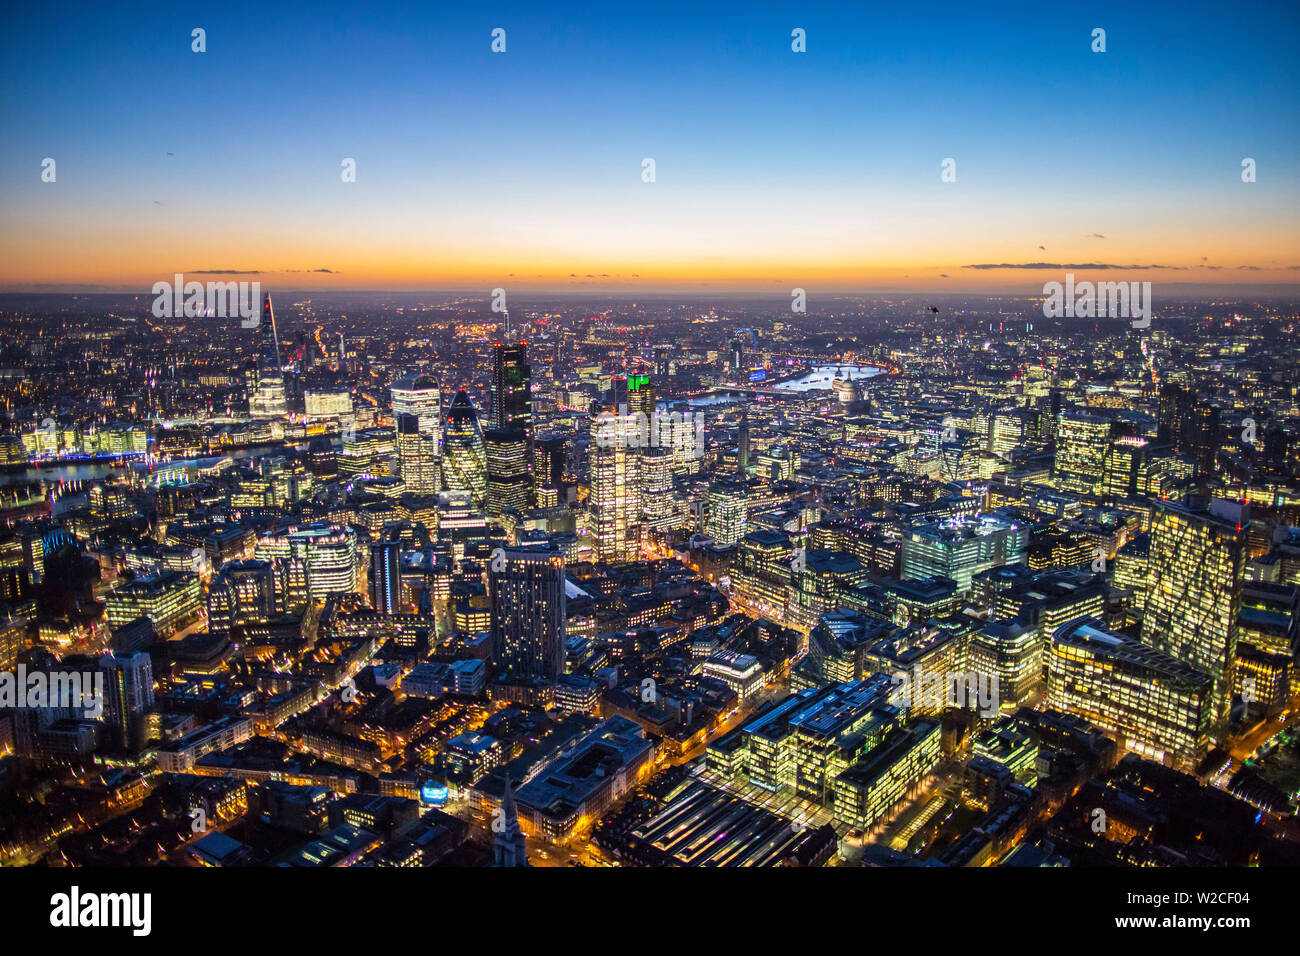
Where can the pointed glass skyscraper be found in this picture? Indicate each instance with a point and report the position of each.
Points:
(269, 398)
(464, 460)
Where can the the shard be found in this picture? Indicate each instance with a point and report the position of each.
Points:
(269, 398)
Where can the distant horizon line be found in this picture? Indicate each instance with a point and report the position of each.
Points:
(1225, 290)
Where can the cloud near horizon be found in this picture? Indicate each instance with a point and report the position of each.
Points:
(1066, 265)
(256, 272)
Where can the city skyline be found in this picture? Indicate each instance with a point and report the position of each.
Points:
(657, 437)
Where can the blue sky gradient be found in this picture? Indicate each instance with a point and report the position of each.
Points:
(768, 162)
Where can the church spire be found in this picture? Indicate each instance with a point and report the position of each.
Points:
(508, 846)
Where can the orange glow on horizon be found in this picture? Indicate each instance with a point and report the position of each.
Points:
(106, 259)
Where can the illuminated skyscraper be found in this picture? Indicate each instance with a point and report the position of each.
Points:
(1158, 705)
(742, 443)
(727, 512)
(1195, 570)
(1012, 651)
(128, 693)
(13, 641)
(367, 451)
(614, 501)
(1189, 423)
(1127, 468)
(242, 593)
(323, 555)
(640, 395)
(960, 548)
(656, 475)
(464, 460)
(684, 433)
(548, 469)
(646, 456)
(509, 479)
(761, 572)
(1081, 444)
(512, 388)
(416, 456)
(1011, 428)
(269, 400)
(386, 576)
(526, 587)
(419, 395)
